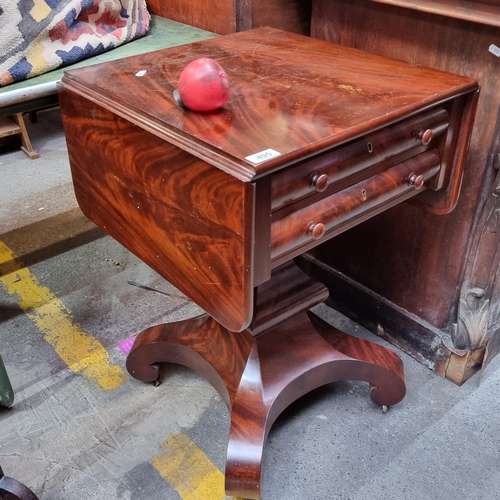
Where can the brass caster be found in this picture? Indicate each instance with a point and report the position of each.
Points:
(385, 408)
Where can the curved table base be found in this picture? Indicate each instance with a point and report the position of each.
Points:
(10, 489)
(262, 370)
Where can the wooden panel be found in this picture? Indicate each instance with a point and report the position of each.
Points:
(484, 12)
(412, 268)
(229, 16)
(8, 127)
(291, 15)
(189, 221)
(358, 159)
(218, 17)
(293, 234)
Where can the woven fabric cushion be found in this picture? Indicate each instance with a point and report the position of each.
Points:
(37, 36)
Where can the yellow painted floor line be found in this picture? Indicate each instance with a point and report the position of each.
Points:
(188, 470)
(81, 352)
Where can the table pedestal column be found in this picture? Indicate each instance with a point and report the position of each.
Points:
(285, 353)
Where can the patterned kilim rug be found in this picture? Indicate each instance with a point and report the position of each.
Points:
(37, 36)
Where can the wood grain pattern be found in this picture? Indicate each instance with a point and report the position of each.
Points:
(198, 13)
(230, 16)
(189, 221)
(290, 235)
(290, 15)
(479, 310)
(298, 105)
(484, 12)
(360, 158)
(436, 285)
(429, 270)
(177, 189)
(259, 372)
(203, 238)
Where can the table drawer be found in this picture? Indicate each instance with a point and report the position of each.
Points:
(360, 158)
(298, 231)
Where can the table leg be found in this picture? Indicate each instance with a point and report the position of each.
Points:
(26, 145)
(10, 489)
(286, 353)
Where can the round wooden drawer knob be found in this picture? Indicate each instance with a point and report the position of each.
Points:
(417, 181)
(320, 182)
(316, 230)
(425, 136)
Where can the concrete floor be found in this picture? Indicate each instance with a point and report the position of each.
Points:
(81, 428)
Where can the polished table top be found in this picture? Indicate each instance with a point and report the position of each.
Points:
(195, 194)
(290, 93)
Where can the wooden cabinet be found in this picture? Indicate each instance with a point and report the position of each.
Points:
(229, 16)
(428, 284)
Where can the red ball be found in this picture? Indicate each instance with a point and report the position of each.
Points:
(203, 85)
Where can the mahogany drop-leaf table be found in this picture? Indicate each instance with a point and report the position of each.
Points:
(314, 139)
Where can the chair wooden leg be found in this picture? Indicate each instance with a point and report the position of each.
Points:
(26, 145)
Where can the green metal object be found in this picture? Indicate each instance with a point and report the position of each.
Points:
(6, 392)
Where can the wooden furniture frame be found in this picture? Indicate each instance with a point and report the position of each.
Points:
(438, 299)
(237, 15)
(314, 139)
(14, 126)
